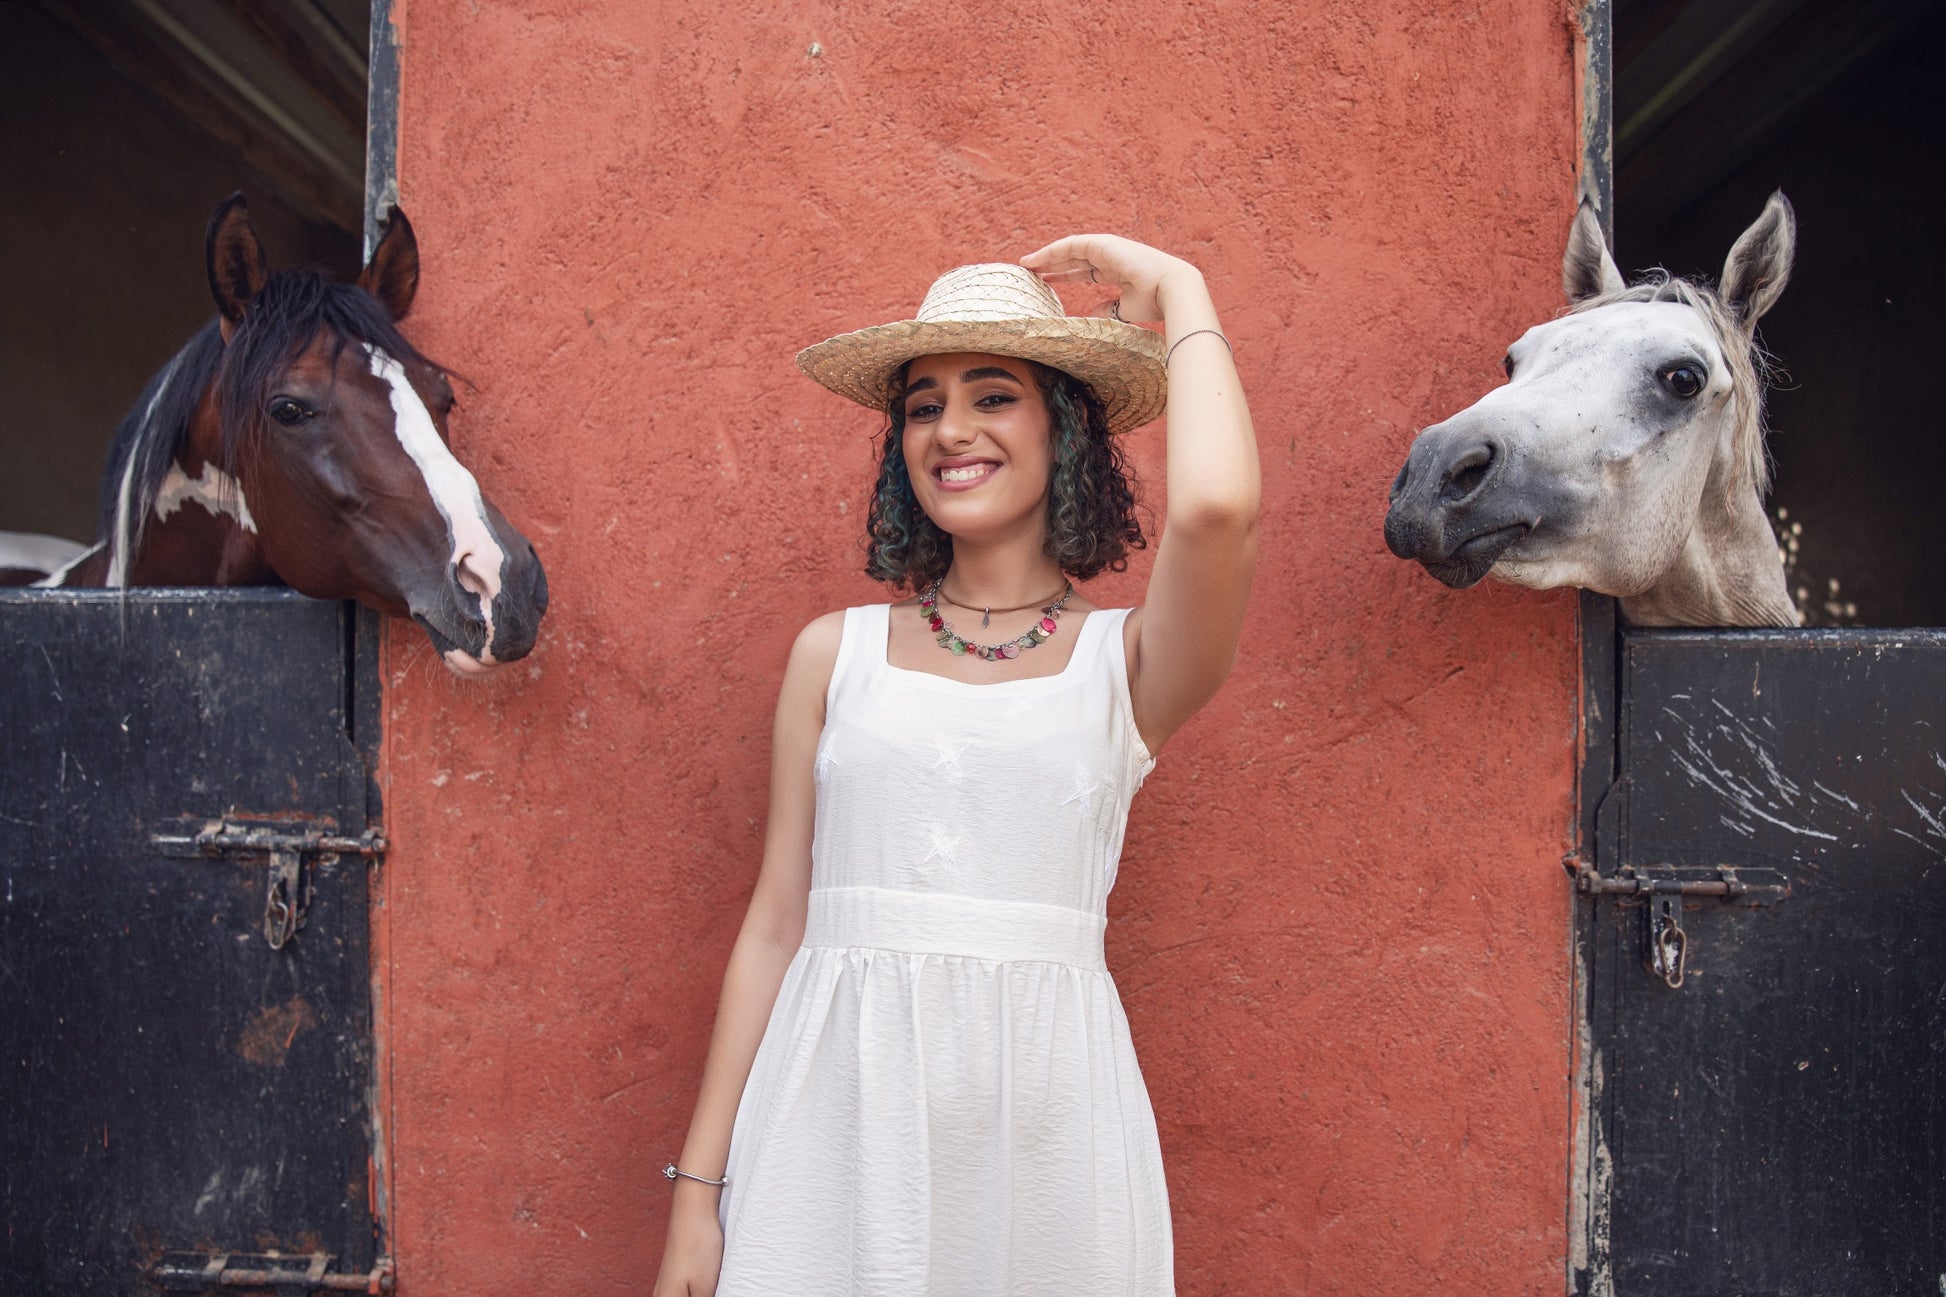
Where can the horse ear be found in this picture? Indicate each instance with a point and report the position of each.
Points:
(392, 275)
(1760, 264)
(1587, 270)
(237, 268)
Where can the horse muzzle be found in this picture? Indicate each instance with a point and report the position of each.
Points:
(1451, 510)
(475, 634)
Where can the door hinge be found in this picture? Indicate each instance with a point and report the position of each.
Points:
(284, 1275)
(1663, 887)
(285, 846)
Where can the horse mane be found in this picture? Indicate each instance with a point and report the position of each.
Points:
(1750, 365)
(294, 308)
(146, 442)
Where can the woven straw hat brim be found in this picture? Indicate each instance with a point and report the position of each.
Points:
(1123, 364)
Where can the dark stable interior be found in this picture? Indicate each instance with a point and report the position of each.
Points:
(121, 138)
(1716, 105)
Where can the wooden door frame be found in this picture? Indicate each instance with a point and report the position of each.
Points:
(365, 683)
(1588, 1272)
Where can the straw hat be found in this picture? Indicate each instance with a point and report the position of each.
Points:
(1003, 310)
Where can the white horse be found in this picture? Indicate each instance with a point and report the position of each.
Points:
(1625, 452)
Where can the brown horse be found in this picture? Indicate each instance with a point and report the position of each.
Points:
(299, 438)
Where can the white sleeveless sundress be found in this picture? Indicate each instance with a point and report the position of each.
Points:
(946, 1100)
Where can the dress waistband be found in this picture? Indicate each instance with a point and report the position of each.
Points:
(932, 923)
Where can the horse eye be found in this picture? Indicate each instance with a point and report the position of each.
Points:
(1507, 363)
(1682, 381)
(288, 412)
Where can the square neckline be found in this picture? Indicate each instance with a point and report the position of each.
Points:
(883, 640)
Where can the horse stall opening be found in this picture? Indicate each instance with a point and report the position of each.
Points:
(1764, 864)
(185, 796)
(1716, 106)
(125, 125)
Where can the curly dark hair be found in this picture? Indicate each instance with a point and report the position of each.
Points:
(1091, 522)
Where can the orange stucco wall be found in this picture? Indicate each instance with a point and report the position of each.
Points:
(1342, 931)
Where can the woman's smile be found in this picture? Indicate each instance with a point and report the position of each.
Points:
(963, 472)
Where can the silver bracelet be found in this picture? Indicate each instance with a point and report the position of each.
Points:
(670, 1172)
(1170, 354)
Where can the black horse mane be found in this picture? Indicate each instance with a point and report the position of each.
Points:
(293, 309)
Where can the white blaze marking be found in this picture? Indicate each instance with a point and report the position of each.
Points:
(215, 490)
(454, 492)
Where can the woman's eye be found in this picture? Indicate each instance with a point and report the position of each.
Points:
(288, 412)
(995, 400)
(1683, 381)
(921, 413)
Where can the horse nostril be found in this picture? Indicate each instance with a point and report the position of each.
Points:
(1466, 473)
(468, 579)
(1398, 483)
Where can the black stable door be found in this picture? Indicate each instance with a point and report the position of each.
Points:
(185, 1004)
(1776, 1123)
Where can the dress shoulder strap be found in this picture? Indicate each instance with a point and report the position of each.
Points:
(856, 648)
(1113, 653)
(1111, 646)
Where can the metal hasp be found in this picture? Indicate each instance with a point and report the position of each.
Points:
(286, 1276)
(285, 846)
(1665, 943)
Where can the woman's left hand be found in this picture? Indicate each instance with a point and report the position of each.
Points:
(1148, 277)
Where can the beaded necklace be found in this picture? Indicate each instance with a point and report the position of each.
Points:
(956, 644)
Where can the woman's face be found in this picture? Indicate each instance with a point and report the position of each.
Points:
(976, 444)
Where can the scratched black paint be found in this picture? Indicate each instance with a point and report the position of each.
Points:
(169, 1080)
(1777, 1125)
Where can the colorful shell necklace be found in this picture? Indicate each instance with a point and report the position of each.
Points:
(951, 640)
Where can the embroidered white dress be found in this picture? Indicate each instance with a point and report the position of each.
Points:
(946, 1100)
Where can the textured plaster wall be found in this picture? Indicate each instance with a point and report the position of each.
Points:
(1342, 929)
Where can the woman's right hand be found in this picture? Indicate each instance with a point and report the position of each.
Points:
(692, 1258)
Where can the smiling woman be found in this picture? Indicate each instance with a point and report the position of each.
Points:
(921, 1078)
(1077, 469)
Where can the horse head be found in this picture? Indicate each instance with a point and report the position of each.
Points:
(312, 438)
(1624, 453)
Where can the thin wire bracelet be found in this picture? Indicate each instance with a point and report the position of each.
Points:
(1170, 354)
(671, 1171)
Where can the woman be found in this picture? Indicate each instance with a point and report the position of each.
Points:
(920, 1079)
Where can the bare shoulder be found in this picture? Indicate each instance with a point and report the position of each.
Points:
(817, 644)
(814, 656)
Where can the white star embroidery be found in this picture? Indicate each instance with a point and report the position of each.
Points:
(942, 848)
(1085, 790)
(950, 751)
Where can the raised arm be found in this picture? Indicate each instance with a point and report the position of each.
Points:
(773, 928)
(1182, 640)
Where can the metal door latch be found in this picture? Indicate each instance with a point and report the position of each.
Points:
(1668, 943)
(1663, 887)
(287, 902)
(285, 845)
(286, 1276)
